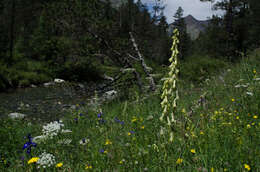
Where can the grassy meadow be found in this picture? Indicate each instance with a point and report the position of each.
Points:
(217, 128)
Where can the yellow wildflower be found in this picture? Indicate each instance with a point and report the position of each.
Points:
(59, 165)
(88, 167)
(122, 161)
(108, 142)
(212, 169)
(129, 134)
(225, 169)
(192, 151)
(247, 167)
(248, 126)
(33, 160)
(142, 127)
(201, 132)
(179, 161)
(237, 117)
(255, 116)
(232, 100)
(183, 110)
(134, 119)
(254, 71)
(253, 123)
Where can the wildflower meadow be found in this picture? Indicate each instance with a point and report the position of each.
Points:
(213, 127)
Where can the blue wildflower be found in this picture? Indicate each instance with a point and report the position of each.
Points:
(80, 114)
(101, 150)
(28, 145)
(118, 121)
(99, 115)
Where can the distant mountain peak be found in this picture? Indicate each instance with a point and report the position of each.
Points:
(193, 26)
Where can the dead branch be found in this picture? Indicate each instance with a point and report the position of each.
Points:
(145, 67)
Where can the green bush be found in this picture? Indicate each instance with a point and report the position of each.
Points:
(79, 71)
(199, 68)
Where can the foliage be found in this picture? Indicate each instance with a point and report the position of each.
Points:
(198, 68)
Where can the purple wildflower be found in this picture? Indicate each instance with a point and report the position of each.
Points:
(28, 145)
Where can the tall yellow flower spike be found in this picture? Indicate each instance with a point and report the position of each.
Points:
(170, 92)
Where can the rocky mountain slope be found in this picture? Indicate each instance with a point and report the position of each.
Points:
(193, 26)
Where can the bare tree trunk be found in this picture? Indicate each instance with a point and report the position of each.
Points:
(145, 67)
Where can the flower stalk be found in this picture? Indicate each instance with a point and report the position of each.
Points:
(170, 92)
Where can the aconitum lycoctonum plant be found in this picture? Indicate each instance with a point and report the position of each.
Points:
(170, 92)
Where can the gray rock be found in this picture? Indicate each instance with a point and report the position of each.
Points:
(59, 81)
(16, 115)
(81, 86)
(110, 94)
(47, 84)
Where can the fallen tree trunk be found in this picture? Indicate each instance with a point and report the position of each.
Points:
(145, 67)
(119, 58)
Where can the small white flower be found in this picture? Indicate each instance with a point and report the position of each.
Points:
(84, 141)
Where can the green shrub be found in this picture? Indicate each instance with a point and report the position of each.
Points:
(199, 68)
(79, 71)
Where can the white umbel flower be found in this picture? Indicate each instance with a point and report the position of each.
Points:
(52, 129)
(46, 160)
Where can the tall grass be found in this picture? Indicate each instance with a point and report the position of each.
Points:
(217, 129)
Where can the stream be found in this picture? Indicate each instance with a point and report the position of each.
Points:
(45, 103)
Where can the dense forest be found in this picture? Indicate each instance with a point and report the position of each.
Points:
(75, 39)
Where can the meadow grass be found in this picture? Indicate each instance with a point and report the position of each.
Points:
(217, 129)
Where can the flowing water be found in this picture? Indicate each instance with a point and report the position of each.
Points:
(43, 103)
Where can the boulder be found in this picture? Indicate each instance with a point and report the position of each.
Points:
(47, 84)
(16, 115)
(58, 81)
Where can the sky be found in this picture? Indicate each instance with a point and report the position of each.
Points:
(199, 10)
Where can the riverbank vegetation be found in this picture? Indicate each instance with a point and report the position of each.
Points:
(217, 130)
(126, 48)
